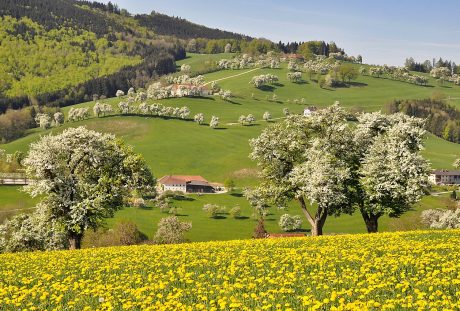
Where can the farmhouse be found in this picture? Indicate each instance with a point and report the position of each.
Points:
(185, 183)
(445, 177)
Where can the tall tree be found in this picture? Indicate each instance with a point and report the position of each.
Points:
(306, 159)
(82, 177)
(390, 172)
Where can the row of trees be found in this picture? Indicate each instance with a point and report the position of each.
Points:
(394, 73)
(428, 65)
(322, 160)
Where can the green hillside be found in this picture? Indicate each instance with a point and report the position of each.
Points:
(173, 146)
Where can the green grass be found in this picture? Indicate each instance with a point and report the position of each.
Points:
(183, 147)
(13, 201)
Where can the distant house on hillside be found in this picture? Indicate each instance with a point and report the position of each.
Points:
(445, 177)
(309, 111)
(185, 183)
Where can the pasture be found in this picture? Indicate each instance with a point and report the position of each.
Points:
(172, 146)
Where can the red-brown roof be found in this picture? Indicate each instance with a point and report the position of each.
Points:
(180, 179)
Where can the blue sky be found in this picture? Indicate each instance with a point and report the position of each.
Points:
(382, 31)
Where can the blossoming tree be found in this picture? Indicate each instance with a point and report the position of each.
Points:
(82, 177)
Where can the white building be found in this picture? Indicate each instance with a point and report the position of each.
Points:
(309, 111)
(445, 177)
(185, 183)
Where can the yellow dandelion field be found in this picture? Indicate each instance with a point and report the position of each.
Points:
(402, 271)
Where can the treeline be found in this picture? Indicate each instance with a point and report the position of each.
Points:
(309, 48)
(442, 120)
(175, 26)
(427, 65)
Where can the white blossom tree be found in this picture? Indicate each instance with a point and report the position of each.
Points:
(43, 120)
(306, 160)
(185, 68)
(214, 122)
(123, 107)
(295, 76)
(97, 109)
(225, 94)
(58, 118)
(390, 173)
(267, 116)
(131, 92)
(119, 93)
(242, 119)
(228, 48)
(78, 114)
(199, 118)
(184, 112)
(250, 118)
(82, 177)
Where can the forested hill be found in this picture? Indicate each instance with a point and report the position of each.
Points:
(175, 26)
(62, 52)
(52, 14)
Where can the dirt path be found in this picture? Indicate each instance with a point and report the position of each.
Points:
(233, 76)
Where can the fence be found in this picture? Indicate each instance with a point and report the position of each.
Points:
(13, 179)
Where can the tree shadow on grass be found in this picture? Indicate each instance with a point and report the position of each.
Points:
(219, 217)
(238, 195)
(220, 128)
(301, 82)
(241, 217)
(183, 198)
(232, 102)
(356, 84)
(267, 88)
(278, 84)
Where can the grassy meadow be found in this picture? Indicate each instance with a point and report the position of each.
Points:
(183, 147)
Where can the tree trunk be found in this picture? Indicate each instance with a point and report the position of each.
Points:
(317, 223)
(320, 219)
(75, 240)
(371, 221)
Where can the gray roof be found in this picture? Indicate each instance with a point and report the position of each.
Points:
(445, 172)
(198, 183)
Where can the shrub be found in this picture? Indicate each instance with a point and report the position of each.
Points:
(229, 184)
(124, 232)
(235, 212)
(290, 223)
(171, 231)
(138, 202)
(211, 209)
(441, 219)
